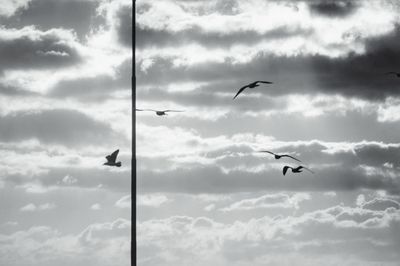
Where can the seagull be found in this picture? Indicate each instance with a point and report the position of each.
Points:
(251, 86)
(158, 112)
(277, 156)
(112, 158)
(394, 73)
(298, 169)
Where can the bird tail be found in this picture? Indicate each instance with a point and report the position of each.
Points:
(118, 164)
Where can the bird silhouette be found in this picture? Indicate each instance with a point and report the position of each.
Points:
(278, 156)
(111, 159)
(251, 86)
(394, 73)
(298, 169)
(159, 112)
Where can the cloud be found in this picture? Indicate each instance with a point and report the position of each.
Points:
(59, 126)
(95, 207)
(9, 8)
(69, 180)
(151, 200)
(333, 8)
(99, 87)
(317, 234)
(267, 201)
(356, 74)
(79, 16)
(99, 244)
(31, 207)
(118, 15)
(124, 202)
(29, 48)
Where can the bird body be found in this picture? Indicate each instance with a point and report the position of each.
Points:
(111, 159)
(251, 86)
(278, 156)
(298, 169)
(159, 112)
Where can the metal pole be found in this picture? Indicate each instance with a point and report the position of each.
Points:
(133, 161)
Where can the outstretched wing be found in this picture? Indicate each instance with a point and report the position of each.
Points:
(113, 157)
(262, 81)
(285, 155)
(268, 152)
(285, 168)
(139, 109)
(307, 169)
(173, 111)
(391, 72)
(240, 90)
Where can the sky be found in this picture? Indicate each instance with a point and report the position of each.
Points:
(65, 103)
(206, 196)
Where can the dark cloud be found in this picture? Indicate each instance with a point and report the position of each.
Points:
(77, 15)
(357, 75)
(333, 8)
(96, 88)
(60, 126)
(124, 25)
(37, 50)
(15, 91)
(146, 37)
(381, 204)
(289, 127)
(213, 180)
(204, 96)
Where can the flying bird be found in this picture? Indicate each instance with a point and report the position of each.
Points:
(159, 112)
(298, 169)
(394, 73)
(251, 86)
(111, 159)
(278, 156)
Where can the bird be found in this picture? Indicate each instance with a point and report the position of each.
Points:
(251, 86)
(394, 73)
(111, 159)
(277, 156)
(298, 169)
(159, 112)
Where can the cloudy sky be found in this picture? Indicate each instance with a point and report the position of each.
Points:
(205, 196)
(65, 95)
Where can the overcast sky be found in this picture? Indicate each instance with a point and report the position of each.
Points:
(65, 73)
(206, 197)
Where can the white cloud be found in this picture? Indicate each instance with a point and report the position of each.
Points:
(99, 244)
(69, 180)
(151, 200)
(95, 207)
(329, 36)
(42, 207)
(183, 239)
(9, 7)
(268, 201)
(209, 207)
(124, 202)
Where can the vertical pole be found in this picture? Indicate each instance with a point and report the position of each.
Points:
(133, 160)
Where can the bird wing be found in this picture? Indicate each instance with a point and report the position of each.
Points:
(113, 156)
(285, 168)
(285, 155)
(240, 90)
(391, 72)
(262, 81)
(173, 111)
(306, 169)
(139, 110)
(268, 152)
